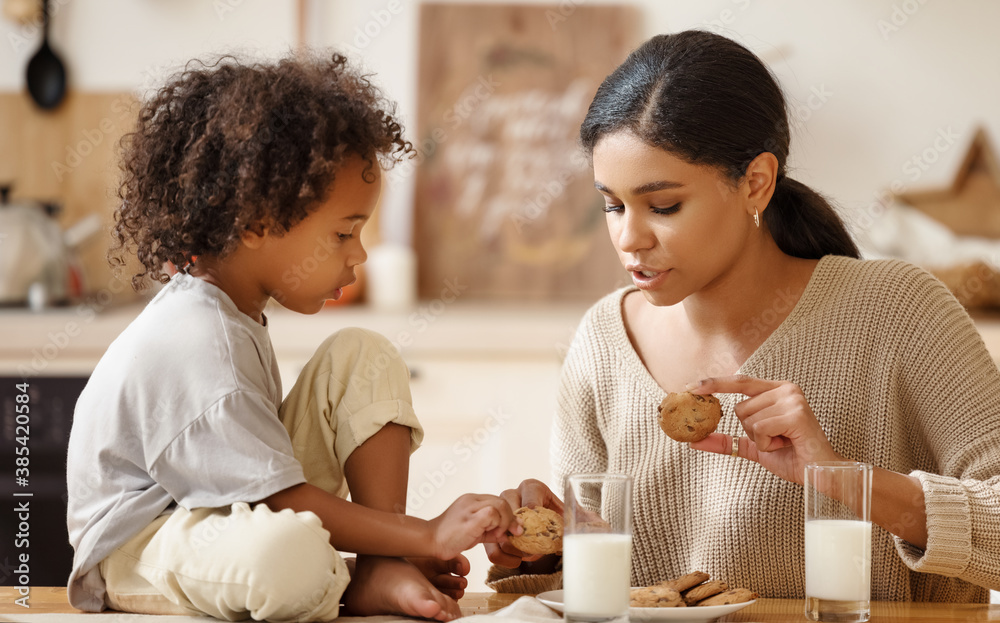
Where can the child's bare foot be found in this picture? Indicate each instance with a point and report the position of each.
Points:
(448, 576)
(394, 586)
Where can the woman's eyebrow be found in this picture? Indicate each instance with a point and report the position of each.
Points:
(643, 189)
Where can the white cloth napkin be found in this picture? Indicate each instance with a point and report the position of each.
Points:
(525, 608)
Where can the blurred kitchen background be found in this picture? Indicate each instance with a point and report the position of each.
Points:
(490, 245)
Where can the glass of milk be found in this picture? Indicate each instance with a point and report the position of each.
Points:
(597, 548)
(838, 531)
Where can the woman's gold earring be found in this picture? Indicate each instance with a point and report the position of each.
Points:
(756, 218)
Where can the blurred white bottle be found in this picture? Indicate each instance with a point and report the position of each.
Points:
(391, 272)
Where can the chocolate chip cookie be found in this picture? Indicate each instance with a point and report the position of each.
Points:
(689, 417)
(655, 597)
(543, 531)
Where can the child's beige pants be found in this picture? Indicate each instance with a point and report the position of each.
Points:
(238, 562)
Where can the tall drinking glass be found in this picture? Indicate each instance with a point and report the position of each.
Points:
(838, 531)
(597, 548)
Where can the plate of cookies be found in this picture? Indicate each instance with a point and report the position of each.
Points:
(692, 598)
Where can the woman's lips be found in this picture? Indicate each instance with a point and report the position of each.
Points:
(648, 279)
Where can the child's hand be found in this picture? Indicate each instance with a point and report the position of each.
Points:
(530, 492)
(470, 520)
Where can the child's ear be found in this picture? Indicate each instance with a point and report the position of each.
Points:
(253, 237)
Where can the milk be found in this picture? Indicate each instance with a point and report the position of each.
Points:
(597, 571)
(838, 559)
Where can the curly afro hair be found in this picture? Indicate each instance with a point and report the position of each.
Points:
(230, 147)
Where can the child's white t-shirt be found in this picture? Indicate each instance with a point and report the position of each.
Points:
(182, 410)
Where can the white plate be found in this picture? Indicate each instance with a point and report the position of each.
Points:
(693, 614)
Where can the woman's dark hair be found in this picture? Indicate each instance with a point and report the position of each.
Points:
(230, 147)
(708, 100)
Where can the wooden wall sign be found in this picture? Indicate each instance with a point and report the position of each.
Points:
(505, 203)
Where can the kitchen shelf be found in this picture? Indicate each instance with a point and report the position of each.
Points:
(72, 339)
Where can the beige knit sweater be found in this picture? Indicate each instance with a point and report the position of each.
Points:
(897, 375)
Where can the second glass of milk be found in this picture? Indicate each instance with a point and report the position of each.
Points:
(838, 537)
(597, 548)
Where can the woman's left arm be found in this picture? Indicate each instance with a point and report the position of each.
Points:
(783, 435)
(945, 518)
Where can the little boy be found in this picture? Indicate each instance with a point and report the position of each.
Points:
(193, 487)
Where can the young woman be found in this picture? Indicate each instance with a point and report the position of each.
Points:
(747, 285)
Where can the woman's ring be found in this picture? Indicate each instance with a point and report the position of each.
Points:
(736, 447)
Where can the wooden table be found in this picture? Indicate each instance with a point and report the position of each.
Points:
(53, 599)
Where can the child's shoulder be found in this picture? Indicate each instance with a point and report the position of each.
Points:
(188, 330)
(187, 313)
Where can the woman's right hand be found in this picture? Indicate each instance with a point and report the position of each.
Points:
(530, 493)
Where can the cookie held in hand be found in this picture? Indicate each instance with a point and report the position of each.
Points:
(543, 531)
(689, 417)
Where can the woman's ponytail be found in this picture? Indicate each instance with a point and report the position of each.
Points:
(804, 224)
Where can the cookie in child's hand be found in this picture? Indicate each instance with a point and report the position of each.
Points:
(689, 417)
(543, 531)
